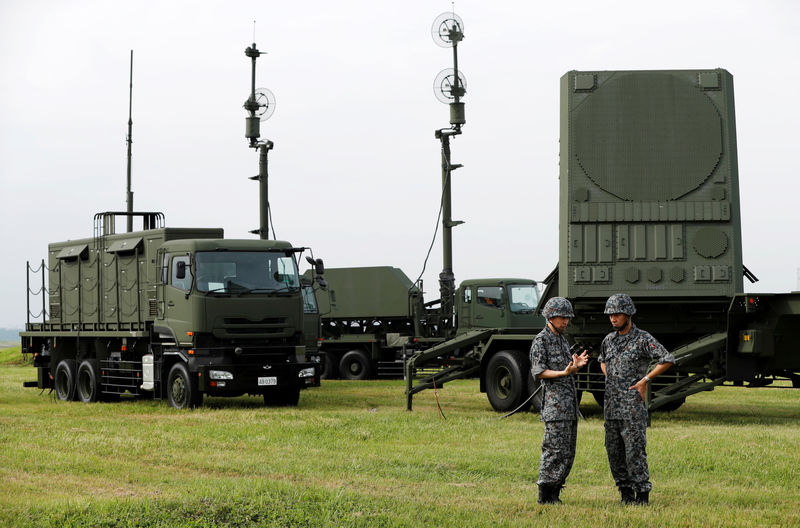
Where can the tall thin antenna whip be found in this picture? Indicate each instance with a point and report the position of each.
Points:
(129, 141)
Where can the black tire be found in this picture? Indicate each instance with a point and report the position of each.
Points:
(64, 380)
(282, 397)
(330, 366)
(355, 365)
(599, 397)
(506, 380)
(88, 385)
(181, 389)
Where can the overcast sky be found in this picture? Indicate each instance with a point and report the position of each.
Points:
(355, 171)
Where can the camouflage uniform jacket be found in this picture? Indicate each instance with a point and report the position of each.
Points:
(550, 351)
(627, 358)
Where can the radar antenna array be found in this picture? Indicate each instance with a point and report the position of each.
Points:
(447, 30)
(265, 100)
(446, 88)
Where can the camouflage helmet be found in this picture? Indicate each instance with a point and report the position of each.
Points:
(557, 307)
(620, 303)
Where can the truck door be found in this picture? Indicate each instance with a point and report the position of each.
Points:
(177, 302)
(488, 308)
(464, 308)
(161, 282)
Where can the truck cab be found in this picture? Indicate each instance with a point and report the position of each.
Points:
(232, 310)
(496, 303)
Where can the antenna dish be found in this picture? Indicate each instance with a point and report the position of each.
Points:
(265, 100)
(444, 86)
(447, 30)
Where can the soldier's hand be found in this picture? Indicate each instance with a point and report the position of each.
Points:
(571, 368)
(641, 388)
(580, 361)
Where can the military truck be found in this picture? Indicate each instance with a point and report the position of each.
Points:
(177, 313)
(373, 318)
(172, 313)
(649, 206)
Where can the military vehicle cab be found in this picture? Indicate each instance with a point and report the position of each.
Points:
(496, 303)
(170, 313)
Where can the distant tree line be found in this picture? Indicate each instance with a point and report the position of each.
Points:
(10, 334)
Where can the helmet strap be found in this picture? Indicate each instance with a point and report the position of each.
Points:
(553, 328)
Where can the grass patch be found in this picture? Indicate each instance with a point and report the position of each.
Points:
(350, 455)
(12, 355)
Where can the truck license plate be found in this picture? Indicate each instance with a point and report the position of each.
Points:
(267, 380)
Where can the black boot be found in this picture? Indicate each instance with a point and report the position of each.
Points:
(628, 496)
(557, 492)
(548, 493)
(543, 494)
(643, 497)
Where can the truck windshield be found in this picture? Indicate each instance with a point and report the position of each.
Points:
(523, 297)
(245, 272)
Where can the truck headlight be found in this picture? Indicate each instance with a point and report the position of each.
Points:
(220, 375)
(306, 373)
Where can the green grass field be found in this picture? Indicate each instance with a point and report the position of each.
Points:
(351, 455)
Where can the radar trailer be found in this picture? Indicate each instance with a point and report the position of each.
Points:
(649, 206)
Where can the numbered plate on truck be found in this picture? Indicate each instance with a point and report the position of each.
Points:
(267, 380)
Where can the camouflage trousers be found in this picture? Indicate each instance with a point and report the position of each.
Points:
(626, 443)
(558, 451)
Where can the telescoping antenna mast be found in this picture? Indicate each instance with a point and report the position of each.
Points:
(260, 107)
(450, 86)
(129, 141)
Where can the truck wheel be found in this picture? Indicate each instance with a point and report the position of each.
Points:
(64, 380)
(329, 370)
(282, 397)
(355, 365)
(506, 380)
(87, 385)
(599, 397)
(181, 392)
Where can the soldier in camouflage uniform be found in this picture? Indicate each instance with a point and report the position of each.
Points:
(625, 356)
(551, 362)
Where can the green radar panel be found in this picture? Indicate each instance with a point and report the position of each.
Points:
(649, 185)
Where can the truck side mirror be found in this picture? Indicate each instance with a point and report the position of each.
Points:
(180, 270)
(319, 267)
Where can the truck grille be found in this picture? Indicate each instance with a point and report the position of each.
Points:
(242, 327)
